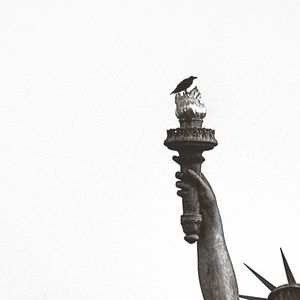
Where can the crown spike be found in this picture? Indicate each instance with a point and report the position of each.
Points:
(269, 285)
(252, 298)
(288, 272)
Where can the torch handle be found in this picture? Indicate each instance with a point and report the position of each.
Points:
(191, 218)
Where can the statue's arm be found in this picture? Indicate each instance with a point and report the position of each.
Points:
(216, 273)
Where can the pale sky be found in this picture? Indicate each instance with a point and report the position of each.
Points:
(89, 207)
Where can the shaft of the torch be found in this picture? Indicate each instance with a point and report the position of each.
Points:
(191, 218)
(190, 201)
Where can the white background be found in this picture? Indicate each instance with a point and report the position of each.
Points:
(88, 200)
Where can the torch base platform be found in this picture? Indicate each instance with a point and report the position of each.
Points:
(192, 139)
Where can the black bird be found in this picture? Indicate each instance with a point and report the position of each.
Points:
(184, 85)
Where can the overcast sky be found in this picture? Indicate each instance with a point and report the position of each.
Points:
(88, 204)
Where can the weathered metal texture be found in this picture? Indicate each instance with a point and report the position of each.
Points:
(216, 274)
(190, 142)
(286, 292)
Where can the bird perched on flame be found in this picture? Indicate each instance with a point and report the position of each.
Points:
(184, 85)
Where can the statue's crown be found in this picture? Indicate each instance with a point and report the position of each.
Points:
(290, 291)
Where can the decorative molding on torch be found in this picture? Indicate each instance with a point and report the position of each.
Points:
(191, 225)
(191, 136)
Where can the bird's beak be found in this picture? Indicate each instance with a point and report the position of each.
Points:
(195, 77)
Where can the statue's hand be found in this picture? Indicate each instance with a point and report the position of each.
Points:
(211, 228)
(206, 195)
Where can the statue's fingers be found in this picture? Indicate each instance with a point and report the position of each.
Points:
(176, 159)
(182, 185)
(179, 175)
(181, 193)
